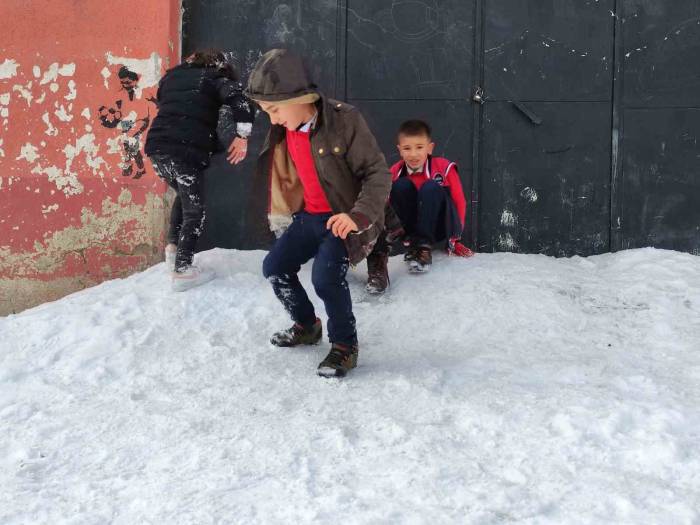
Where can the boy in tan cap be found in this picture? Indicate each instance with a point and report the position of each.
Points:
(328, 184)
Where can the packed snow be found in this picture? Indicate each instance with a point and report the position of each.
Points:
(497, 389)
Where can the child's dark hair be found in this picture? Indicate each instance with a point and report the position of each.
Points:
(414, 127)
(213, 58)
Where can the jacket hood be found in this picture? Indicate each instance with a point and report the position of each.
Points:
(280, 75)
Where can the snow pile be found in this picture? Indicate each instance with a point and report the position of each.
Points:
(501, 388)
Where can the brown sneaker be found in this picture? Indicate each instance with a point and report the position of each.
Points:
(377, 273)
(421, 259)
(339, 360)
(298, 335)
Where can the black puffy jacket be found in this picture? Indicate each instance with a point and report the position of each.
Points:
(189, 102)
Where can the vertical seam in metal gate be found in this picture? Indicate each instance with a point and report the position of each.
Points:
(341, 52)
(477, 121)
(616, 171)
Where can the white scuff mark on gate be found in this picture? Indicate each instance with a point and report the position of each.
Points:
(506, 242)
(529, 194)
(508, 218)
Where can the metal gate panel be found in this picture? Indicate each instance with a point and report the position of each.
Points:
(661, 179)
(548, 50)
(661, 53)
(546, 129)
(409, 49)
(545, 188)
(659, 201)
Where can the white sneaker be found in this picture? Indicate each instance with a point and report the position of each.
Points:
(170, 253)
(191, 277)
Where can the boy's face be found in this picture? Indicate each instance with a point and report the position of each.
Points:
(291, 116)
(414, 149)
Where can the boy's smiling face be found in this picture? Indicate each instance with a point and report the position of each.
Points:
(414, 149)
(291, 116)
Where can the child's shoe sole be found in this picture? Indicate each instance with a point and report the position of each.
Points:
(180, 284)
(415, 267)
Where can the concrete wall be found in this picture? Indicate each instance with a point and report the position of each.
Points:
(79, 203)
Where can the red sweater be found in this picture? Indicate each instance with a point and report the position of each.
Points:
(299, 147)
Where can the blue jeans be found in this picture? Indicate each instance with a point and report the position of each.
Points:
(305, 238)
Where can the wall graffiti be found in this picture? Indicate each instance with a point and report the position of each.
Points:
(131, 117)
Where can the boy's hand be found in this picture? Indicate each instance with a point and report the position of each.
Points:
(341, 225)
(458, 249)
(237, 150)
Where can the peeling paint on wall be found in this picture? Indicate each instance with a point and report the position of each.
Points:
(8, 68)
(25, 92)
(69, 218)
(28, 153)
(119, 228)
(130, 114)
(50, 130)
(149, 70)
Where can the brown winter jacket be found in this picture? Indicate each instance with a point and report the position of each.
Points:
(351, 169)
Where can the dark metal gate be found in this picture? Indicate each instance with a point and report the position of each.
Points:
(584, 139)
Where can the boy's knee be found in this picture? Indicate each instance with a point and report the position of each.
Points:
(323, 281)
(327, 274)
(276, 265)
(402, 189)
(403, 185)
(431, 190)
(430, 187)
(270, 266)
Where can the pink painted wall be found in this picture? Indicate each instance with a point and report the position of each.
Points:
(78, 201)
